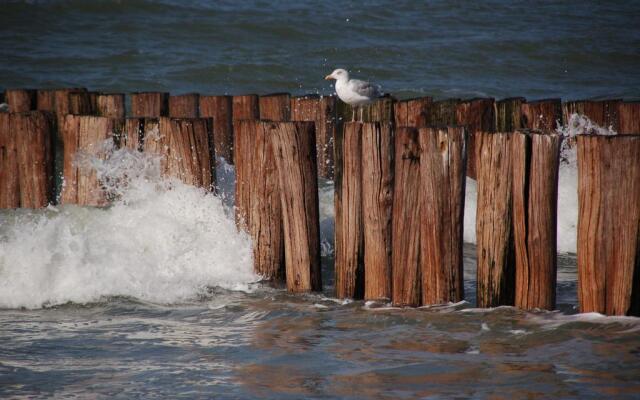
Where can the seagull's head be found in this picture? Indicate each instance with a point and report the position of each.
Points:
(338, 75)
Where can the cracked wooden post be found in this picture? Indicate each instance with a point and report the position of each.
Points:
(413, 112)
(294, 149)
(405, 236)
(609, 224)
(220, 109)
(149, 104)
(26, 159)
(244, 136)
(184, 105)
(508, 116)
(476, 115)
(629, 118)
(544, 115)
(21, 100)
(187, 150)
(441, 203)
(536, 161)
(275, 107)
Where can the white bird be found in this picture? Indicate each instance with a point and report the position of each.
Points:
(4, 107)
(353, 91)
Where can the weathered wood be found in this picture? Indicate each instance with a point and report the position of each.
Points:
(413, 112)
(184, 105)
(220, 109)
(349, 234)
(476, 115)
(377, 201)
(603, 113)
(9, 186)
(544, 115)
(508, 116)
(441, 198)
(133, 135)
(149, 104)
(405, 259)
(275, 107)
(379, 111)
(294, 149)
(187, 150)
(322, 111)
(110, 105)
(21, 100)
(629, 118)
(609, 224)
(81, 103)
(245, 107)
(494, 248)
(443, 112)
(243, 132)
(46, 100)
(536, 159)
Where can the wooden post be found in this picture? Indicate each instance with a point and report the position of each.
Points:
(81, 103)
(243, 132)
(536, 161)
(275, 107)
(494, 248)
(544, 115)
(349, 234)
(110, 105)
(508, 116)
(220, 109)
(149, 104)
(441, 198)
(184, 105)
(609, 224)
(9, 187)
(379, 111)
(377, 201)
(406, 212)
(46, 100)
(137, 131)
(475, 115)
(413, 112)
(443, 112)
(21, 100)
(629, 118)
(322, 111)
(245, 107)
(603, 113)
(294, 149)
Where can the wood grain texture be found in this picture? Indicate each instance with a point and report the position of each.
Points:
(441, 197)
(150, 104)
(245, 107)
(82, 103)
(220, 109)
(110, 105)
(377, 201)
(609, 224)
(275, 107)
(243, 132)
(9, 186)
(294, 149)
(413, 112)
(188, 151)
(542, 115)
(406, 211)
(21, 100)
(603, 113)
(46, 100)
(629, 118)
(184, 105)
(508, 117)
(475, 115)
(133, 135)
(443, 112)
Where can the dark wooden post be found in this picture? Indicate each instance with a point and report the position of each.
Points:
(322, 111)
(603, 113)
(21, 100)
(475, 115)
(244, 137)
(294, 148)
(609, 224)
(9, 187)
(443, 112)
(184, 105)
(413, 112)
(349, 234)
(441, 197)
(405, 259)
(81, 103)
(110, 105)
(246, 107)
(508, 116)
(535, 200)
(220, 109)
(544, 115)
(494, 247)
(377, 201)
(629, 117)
(149, 104)
(275, 107)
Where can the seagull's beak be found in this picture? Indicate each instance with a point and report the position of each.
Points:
(328, 78)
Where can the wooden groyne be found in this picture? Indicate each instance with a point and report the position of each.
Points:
(399, 170)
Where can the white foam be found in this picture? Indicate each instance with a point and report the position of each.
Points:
(161, 241)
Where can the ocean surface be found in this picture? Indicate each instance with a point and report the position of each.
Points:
(155, 295)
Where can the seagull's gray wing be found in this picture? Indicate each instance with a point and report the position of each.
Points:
(365, 88)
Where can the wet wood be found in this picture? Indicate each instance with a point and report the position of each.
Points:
(81, 103)
(443, 112)
(294, 148)
(188, 153)
(322, 111)
(9, 186)
(476, 115)
(21, 100)
(110, 105)
(149, 104)
(244, 136)
(184, 105)
(413, 112)
(441, 198)
(544, 115)
(535, 200)
(508, 116)
(220, 109)
(377, 202)
(603, 113)
(133, 135)
(349, 231)
(494, 247)
(609, 224)
(246, 107)
(406, 212)
(629, 117)
(275, 107)
(46, 100)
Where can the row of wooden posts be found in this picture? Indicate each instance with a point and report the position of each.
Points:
(399, 169)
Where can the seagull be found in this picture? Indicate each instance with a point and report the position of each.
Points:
(4, 107)
(353, 91)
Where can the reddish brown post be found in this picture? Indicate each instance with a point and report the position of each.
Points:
(508, 116)
(475, 115)
(21, 100)
(133, 135)
(377, 201)
(322, 111)
(184, 105)
(110, 105)
(629, 118)
(406, 211)
(9, 187)
(413, 112)
(220, 109)
(187, 150)
(46, 100)
(349, 234)
(544, 115)
(535, 200)
(294, 149)
(245, 107)
(275, 107)
(609, 224)
(244, 136)
(441, 197)
(149, 104)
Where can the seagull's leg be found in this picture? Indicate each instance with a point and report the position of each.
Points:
(353, 113)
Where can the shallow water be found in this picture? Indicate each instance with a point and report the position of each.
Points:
(155, 296)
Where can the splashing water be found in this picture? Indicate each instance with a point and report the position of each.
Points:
(160, 241)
